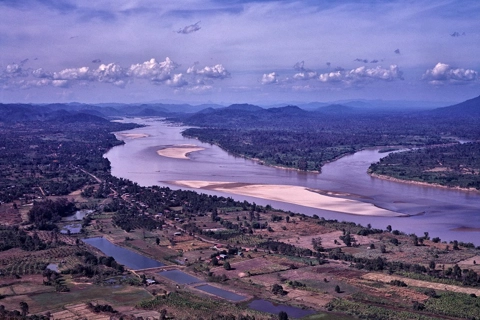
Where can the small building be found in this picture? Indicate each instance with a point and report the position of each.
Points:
(150, 282)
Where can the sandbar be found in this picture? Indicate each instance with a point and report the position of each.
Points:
(132, 135)
(179, 151)
(293, 194)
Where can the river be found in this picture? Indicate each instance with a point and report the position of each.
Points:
(446, 213)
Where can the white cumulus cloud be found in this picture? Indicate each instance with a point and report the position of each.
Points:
(157, 72)
(215, 72)
(363, 75)
(177, 80)
(303, 73)
(269, 78)
(443, 73)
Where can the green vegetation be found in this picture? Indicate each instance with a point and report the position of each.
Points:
(291, 137)
(452, 166)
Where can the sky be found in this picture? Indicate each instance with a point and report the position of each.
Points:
(238, 51)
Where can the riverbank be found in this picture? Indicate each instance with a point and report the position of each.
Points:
(179, 151)
(419, 183)
(293, 194)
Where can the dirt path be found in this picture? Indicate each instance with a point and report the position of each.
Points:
(91, 175)
(420, 283)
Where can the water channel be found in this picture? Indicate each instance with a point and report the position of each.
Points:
(130, 259)
(447, 213)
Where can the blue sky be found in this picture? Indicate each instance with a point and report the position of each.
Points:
(238, 51)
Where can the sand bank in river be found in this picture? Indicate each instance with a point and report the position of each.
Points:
(132, 135)
(292, 194)
(179, 151)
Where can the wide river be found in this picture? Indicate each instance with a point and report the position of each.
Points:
(445, 213)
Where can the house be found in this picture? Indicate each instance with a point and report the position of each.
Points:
(150, 281)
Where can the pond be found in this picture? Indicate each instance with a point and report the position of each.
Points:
(78, 215)
(128, 258)
(180, 277)
(267, 306)
(225, 294)
(71, 228)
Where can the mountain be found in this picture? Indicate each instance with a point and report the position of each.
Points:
(467, 108)
(337, 109)
(244, 107)
(287, 111)
(313, 105)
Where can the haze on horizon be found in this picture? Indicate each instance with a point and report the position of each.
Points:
(238, 51)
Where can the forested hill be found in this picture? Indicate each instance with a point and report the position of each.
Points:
(293, 137)
(469, 108)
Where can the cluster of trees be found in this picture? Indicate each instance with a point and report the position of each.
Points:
(13, 237)
(97, 308)
(453, 166)
(285, 248)
(21, 314)
(93, 266)
(45, 213)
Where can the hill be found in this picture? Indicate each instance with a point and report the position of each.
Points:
(467, 108)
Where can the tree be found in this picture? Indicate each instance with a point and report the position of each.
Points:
(157, 241)
(282, 315)
(24, 308)
(163, 314)
(278, 289)
(337, 289)
(389, 228)
(227, 265)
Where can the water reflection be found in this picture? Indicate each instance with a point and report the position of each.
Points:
(130, 259)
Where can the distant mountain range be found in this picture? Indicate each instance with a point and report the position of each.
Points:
(236, 112)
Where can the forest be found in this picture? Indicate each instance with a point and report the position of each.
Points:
(452, 166)
(306, 140)
(41, 158)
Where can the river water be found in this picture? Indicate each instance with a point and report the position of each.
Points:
(445, 213)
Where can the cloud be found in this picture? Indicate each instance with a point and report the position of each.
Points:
(269, 78)
(443, 73)
(303, 74)
(177, 80)
(82, 73)
(96, 61)
(457, 34)
(214, 72)
(110, 73)
(397, 51)
(361, 60)
(157, 72)
(190, 28)
(374, 61)
(40, 73)
(14, 70)
(362, 75)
